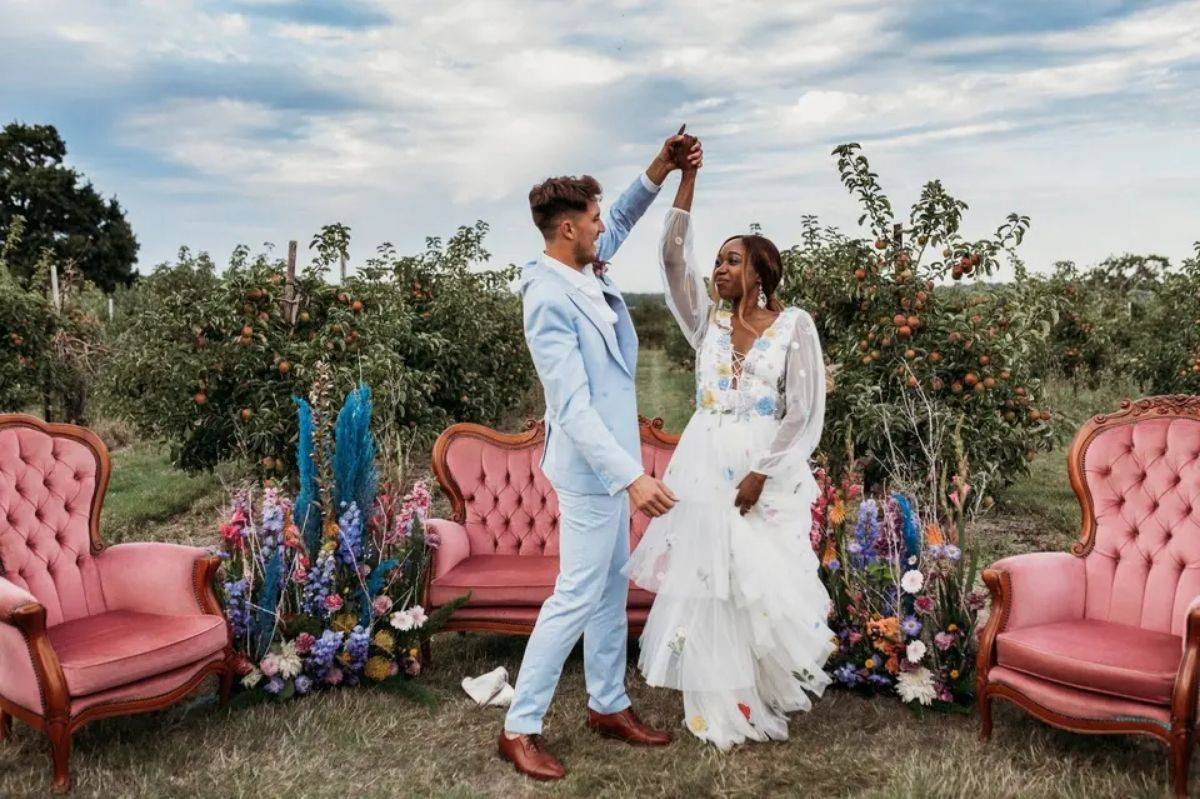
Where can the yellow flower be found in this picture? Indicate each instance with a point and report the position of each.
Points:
(378, 668)
(697, 724)
(837, 513)
(724, 370)
(345, 622)
(954, 674)
(869, 664)
(414, 652)
(951, 628)
(708, 400)
(385, 640)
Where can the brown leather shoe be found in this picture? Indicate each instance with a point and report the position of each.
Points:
(627, 727)
(528, 755)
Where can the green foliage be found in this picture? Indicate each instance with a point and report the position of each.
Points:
(918, 359)
(63, 213)
(1170, 360)
(48, 355)
(210, 362)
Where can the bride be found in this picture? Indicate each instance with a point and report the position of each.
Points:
(738, 624)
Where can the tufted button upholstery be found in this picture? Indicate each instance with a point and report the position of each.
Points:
(1144, 568)
(46, 491)
(511, 508)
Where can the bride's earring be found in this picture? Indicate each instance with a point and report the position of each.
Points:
(762, 297)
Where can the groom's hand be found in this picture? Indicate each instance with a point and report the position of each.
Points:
(681, 151)
(651, 496)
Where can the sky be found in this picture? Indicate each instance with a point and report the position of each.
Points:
(252, 121)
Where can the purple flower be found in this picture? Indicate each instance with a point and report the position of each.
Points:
(910, 626)
(274, 686)
(953, 552)
(304, 684)
(833, 565)
(847, 675)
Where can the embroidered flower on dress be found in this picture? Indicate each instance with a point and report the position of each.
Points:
(742, 706)
(765, 406)
(698, 724)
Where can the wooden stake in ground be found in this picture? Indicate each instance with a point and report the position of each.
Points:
(54, 295)
(289, 286)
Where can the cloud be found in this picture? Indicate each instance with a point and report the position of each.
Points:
(252, 119)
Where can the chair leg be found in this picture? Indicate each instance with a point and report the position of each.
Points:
(60, 755)
(985, 716)
(226, 689)
(5, 725)
(1181, 759)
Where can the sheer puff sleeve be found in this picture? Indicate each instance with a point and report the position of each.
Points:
(804, 404)
(686, 294)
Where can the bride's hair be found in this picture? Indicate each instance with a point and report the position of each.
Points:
(763, 256)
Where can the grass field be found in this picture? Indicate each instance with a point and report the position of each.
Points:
(373, 744)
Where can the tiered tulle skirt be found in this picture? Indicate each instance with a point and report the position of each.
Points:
(739, 621)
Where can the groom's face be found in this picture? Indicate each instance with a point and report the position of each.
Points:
(584, 230)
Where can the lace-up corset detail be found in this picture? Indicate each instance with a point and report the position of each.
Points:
(757, 389)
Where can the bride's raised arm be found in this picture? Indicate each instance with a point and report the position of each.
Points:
(683, 282)
(804, 403)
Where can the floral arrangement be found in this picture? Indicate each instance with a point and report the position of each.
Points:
(901, 581)
(321, 590)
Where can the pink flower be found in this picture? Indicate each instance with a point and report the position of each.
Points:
(300, 576)
(412, 667)
(855, 637)
(417, 614)
(943, 640)
(334, 676)
(333, 603)
(304, 643)
(976, 600)
(924, 604)
(394, 668)
(381, 605)
(269, 666)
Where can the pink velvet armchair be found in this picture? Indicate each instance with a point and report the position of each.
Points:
(87, 631)
(1106, 638)
(501, 542)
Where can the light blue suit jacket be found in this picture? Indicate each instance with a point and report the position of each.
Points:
(587, 367)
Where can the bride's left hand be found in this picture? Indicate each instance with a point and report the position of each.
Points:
(749, 491)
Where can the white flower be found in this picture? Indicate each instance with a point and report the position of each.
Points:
(417, 614)
(402, 621)
(915, 651)
(289, 662)
(252, 679)
(912, 581)
(916, 684)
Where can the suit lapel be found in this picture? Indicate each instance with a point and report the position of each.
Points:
(606, 330)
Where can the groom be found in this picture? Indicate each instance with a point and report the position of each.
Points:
(585, 351)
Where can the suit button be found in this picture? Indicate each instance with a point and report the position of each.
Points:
(679, 239)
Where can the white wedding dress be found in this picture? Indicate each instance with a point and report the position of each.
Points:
(739, 621)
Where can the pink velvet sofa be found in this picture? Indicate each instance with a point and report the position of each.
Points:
(88, 631)
(501, 542)
(1106, 638)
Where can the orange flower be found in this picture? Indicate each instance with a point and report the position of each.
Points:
(886, 629)
(893, 664)
(829, 554)
(837, 513)
(933, 535)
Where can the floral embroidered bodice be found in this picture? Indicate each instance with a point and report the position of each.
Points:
(757, 387)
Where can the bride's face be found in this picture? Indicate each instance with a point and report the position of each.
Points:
(732, 273)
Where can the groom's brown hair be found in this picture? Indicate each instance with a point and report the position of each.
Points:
(553, 197)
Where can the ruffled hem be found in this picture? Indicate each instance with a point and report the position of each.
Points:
(739, 620)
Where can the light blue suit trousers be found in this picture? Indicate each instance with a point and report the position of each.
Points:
(592, 452)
